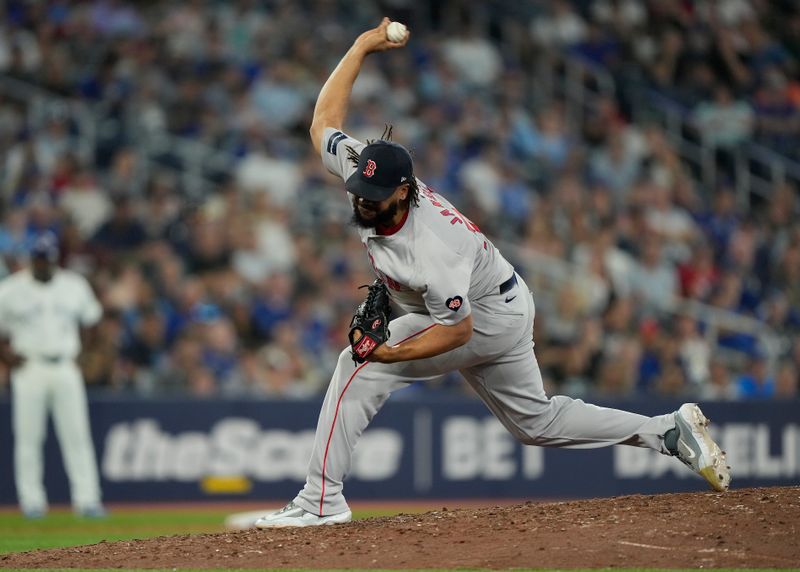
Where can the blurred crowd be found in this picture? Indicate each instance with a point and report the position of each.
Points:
(732, 64)
(248, 290)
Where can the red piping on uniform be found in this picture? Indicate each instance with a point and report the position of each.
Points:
(336, 413)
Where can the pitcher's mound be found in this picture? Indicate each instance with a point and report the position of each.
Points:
(745, 528)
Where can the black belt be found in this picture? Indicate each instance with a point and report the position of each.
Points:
(508, 284)
(50, 359)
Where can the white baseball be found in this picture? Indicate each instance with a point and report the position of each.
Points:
(396, 32)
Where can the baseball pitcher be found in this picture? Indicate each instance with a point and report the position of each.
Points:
(467, 310)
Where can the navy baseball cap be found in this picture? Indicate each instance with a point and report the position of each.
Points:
(45, 246)
(382, 167)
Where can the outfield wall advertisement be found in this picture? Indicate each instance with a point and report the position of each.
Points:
(194, 450)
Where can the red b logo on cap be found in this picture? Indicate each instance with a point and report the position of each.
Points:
(369, 170)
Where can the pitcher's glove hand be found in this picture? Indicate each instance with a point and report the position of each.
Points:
(369, 327)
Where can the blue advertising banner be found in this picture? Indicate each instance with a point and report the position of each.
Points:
(416, 448)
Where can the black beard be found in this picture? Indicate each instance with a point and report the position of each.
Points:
(382, 218)
(43, 276)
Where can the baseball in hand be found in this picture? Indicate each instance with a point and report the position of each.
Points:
(396, 32)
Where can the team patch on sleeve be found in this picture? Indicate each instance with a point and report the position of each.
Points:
(454, 303)
(334, 140)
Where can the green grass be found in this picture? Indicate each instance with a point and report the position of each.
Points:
(61, 528)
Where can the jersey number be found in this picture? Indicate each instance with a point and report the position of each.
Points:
(455, 216)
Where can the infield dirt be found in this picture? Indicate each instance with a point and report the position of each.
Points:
(745, 528)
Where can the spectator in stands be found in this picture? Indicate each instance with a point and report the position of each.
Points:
(161, 208)
(289, 368)
(561, 27)
(724, 123)
(201, 383)
(84, 202)
(699, 275)
(650, 363)
(173, 373)
(756, 383)
(671, 58)
(617, 264)
(599, 48)
(550, 143)
(654, 281)
(593, 289)
(777, 113)
(616, 166)
(787, 277)
(663, 165)
(720, 386)
(99, 359)
(481, 179)
(144, 348)
(742, 248)
(720, 222)
(122, 233)
(563, 320)
(15, 240)
(208, 249)
(272, 304)
(776, 313)
(786, 381)
(616, 374)
(669, 221)
(694, 352)
(249, 376)
(474, 58)
(671, 382)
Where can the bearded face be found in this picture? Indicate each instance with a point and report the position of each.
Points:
(42, 268)
(369, 214)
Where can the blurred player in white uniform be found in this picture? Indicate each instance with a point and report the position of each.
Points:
(467, 310)
(41, 311)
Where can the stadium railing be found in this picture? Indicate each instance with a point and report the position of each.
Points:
(757, 169)
(548, 276)
(91, 128)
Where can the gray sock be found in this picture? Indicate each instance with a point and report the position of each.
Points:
(671, 440)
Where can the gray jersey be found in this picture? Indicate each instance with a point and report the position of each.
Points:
(437, 261)
(440, 268)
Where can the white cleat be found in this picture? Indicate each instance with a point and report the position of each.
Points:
(293, 515)
(697, 450)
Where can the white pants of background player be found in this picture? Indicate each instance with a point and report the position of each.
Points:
(39, 387)
(499, 363)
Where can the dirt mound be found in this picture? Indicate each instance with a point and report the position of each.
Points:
(741, 528)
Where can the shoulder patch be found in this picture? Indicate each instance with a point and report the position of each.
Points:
(454, 303)
(335, 138)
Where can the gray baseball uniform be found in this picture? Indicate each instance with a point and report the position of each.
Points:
(440, 268)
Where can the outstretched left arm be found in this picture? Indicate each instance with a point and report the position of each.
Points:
(437, 340)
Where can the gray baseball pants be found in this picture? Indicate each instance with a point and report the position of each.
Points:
(499, 363)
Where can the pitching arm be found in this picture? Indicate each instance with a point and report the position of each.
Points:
(333, 99)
